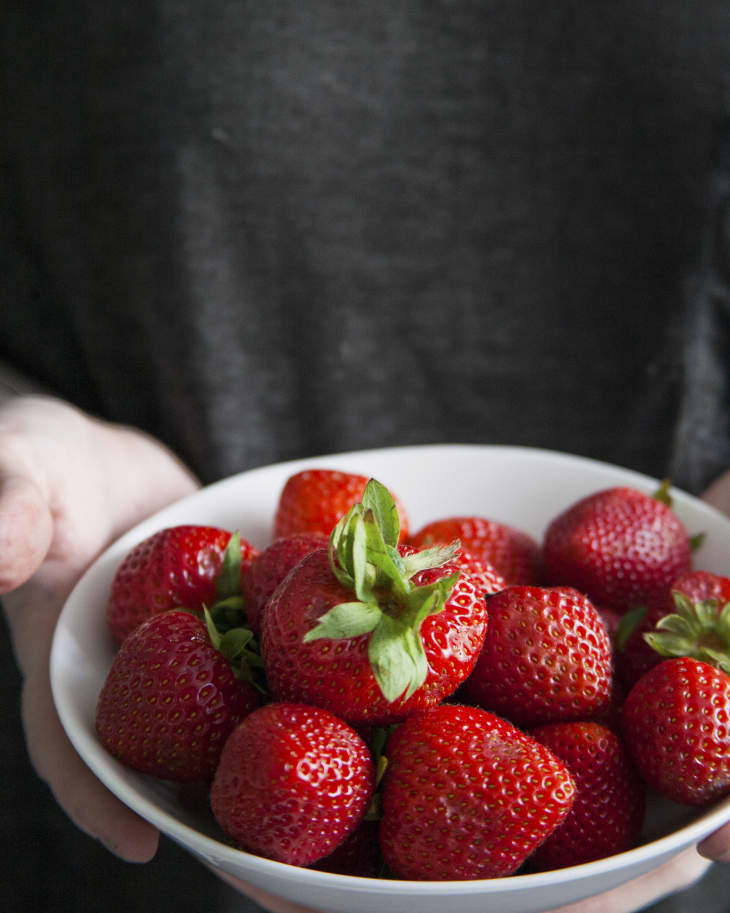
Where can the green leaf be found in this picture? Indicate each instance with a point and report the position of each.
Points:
(716, 658)
(234, 643)
(378, 740)
(707, 614)
(213, 632)
(436, 556)
(375, 808)
(683, 605)
(348, 619)
(414, 648)
(362, 577)
(379, 500)
(669, 644)
(240, 649)
(426, 600)
(662, 493)
(228, 614)
(696, 541)
(228, 582)
(386, 572)
(677, 624)
(341, 546)
(628, 624)
(398, 663)
(723, 624)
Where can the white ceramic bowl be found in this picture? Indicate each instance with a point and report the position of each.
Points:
(520, 486)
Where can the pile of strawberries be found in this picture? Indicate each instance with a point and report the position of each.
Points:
(457, 703)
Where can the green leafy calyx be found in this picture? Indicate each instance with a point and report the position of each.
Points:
(388, 605)
(629, 623)
(240, 647)
(700, 630)
(226, 620)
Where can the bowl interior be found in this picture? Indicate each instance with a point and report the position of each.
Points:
(520, 486)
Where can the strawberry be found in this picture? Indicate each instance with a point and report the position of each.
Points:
(699, 597)
(171, 699)
(467, 795)
(487, 577)
(608, 809)
(618, 546)
(358, 854)
(676, 725)
(292, 783)
(611, 715)
(312, 501)
(270, 567)
(177, 567)
(371, 630)
(513, 554)
(611, 622)
(546, 657)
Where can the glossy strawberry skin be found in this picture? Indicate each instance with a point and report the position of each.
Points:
(487, 577)
(270, 567)
(170, 700)
(293, 782)
(635, 657)
(618, 546)
(337, 674)
(609, 805)
(546, 657)
(676, 726)
(176, 567)
(511, 552)
(358, 854)
(466, 795)
(312, 501)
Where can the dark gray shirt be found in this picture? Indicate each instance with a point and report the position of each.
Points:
(264, 231)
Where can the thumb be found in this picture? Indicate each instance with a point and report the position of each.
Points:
(26, 528)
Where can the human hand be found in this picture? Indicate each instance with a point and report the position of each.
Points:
(69, 486)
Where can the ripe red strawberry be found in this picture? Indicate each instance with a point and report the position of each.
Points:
(171, 699)
(611, 621)
(269, 568)
(546, 657)
(486, 577)
(293, 782)
(467, 795)
(313, 501)
(177, 567)
(676, 725)
(371, 630)
(337, 672)
(514, 554)
(619, 546)
(635, 655)
(609, 805)
(611, 715)
(358, 854)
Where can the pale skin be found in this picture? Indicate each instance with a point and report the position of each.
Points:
(69, 486)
